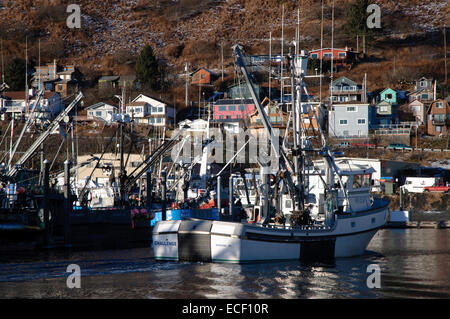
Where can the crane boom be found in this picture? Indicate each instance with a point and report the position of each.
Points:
(279, 152)
(52, 126)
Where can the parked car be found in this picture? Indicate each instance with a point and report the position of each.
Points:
(342, 145)
(437, 188)
(363, 145)
(399, 147)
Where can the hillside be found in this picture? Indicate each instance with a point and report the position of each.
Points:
(113, 32)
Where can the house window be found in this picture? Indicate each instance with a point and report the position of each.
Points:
(327, 55)
(91, 113)
(135, 164)
(314, 56)
(202, 76)
(222, 108)
(159, 120)
(343, 122)
(98, 113)
(361, 121)
(232, 108)
(438, 128)
(439, 105)
(351, 108)
(342, 54)
(424, 96)
(160, 109)
(389, 96)
(423, 84)
(241, 108)
(383, 108)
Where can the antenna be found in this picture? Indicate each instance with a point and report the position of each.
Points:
(282, 52)
(26, 74)
(321, 56)
(270, 62)
(332, 40)
(39, 73)
(3, 65)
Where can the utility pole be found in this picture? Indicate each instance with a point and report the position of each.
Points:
(445, 52)
(357, 43)
(221, 53)
(187, 81)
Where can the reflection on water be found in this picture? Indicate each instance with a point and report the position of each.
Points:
(414, 264)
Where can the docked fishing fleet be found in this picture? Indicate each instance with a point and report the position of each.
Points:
(308, 204)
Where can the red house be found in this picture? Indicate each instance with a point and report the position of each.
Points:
(203, 76)
(232, 110)
(341, 57)
(438, 123)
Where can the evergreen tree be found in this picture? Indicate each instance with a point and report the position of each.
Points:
(147, 71)
(15, 74)
(356, 23)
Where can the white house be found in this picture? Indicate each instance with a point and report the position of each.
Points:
(101, 110)
(146, 110)
(19, 106)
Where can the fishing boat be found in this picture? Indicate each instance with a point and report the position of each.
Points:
(324, 208)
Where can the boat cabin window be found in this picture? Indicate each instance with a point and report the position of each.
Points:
(361, 181)
(288, 203)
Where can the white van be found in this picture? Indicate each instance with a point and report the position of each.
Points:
(416, 184)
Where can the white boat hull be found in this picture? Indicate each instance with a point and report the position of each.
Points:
(218, 241)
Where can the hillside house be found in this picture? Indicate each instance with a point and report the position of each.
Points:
(344, 90)
(101, 110)
(386, 113)
(19, 105)
(438, 121)
(309, 122)
(203, 76)
(64, 80)
(418, 109)
(232, 110)
(146, 110)
(108, 82)
(423, 91)
(348, 120)
(277, 117)
(342, 58)
(389, 95)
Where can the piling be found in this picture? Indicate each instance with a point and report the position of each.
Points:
(67, 202)
(219, 199)
(46, 202)
(148, 199)
(230, 196)
(163, 194)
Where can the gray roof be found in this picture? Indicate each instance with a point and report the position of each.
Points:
(96, 105)
(109, 78)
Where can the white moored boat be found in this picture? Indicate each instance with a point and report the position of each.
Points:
(323, 207)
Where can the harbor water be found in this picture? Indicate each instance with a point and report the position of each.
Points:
(414, 263)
